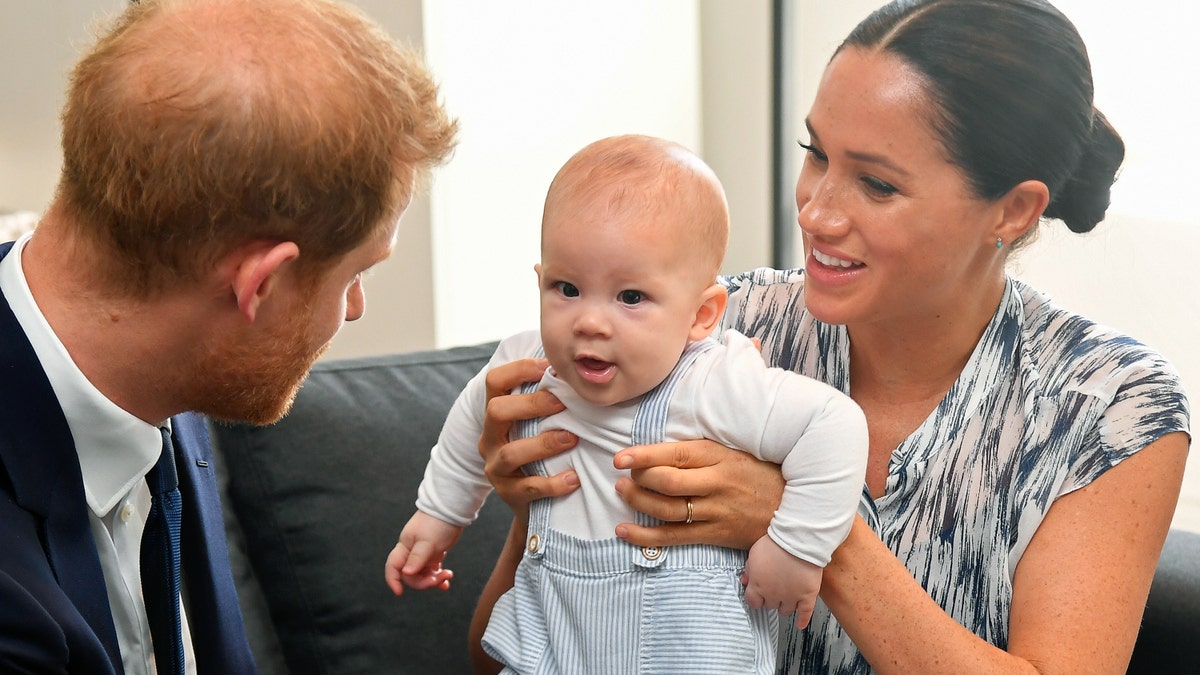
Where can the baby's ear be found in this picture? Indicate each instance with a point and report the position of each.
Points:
(708, 315)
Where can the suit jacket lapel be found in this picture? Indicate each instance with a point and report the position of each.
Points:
(214, 615)
(38, 453)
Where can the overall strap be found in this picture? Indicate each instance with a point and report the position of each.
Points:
(539, 510)
(650, 421)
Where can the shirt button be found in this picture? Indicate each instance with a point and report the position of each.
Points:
(534, 543)
(126, 513)
(652, 552)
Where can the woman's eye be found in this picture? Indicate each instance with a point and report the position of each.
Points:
(631, 297)
(813, 152)
(881, 188)
(568, 290)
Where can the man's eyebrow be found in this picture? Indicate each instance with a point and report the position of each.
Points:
(859, 156)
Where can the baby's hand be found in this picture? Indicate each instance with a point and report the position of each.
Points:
(416, 561)
(777, 580)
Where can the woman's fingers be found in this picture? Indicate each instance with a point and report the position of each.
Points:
(681, 469)
(531, 488)
(666, 508)
(681, 455)
(676, 534)
(503, 458)
(675, 529)
(503, 469)
(733, 494)
(504, 378)
(507, 458)
(504, 408)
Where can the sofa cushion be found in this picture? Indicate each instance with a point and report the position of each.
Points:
(1169, 641)
(321, 497)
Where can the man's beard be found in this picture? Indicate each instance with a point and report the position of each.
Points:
(256, 381)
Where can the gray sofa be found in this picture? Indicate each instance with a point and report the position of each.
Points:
(315, 502)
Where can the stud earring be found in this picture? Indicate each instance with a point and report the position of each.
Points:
(999, 242)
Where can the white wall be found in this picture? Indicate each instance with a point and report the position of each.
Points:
(532, 83)
(38, 45)
(399, 290)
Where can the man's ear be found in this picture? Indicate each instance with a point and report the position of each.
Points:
(257, 270)
(1022, 207)
(708, 315)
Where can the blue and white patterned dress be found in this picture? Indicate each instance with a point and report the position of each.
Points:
(1048, 402)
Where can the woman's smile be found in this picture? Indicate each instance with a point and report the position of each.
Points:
(831, 261)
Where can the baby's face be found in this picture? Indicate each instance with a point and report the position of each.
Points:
(618, 301)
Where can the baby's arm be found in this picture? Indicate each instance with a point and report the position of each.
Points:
(778, 580)
(416, 561)
(454, 487)
(448, 498)
(819, 437)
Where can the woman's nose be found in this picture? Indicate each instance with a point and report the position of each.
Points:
(820, 206)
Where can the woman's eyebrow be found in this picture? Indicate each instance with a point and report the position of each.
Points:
(859, 156)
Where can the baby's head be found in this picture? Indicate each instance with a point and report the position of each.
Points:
(633, 233)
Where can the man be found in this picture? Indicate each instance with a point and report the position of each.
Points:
(231, 168)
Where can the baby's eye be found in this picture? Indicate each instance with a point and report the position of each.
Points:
(567, 289)
(631, 297)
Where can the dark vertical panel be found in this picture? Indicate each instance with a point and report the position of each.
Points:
(783, 132)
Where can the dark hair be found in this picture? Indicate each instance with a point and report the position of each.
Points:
(1011, 88)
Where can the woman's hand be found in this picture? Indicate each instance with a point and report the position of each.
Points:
(732, 494)
(503, 458)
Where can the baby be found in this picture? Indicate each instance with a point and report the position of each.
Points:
(633, 233)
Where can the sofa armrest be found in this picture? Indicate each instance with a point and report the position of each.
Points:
(320, 498)
(1169, 641)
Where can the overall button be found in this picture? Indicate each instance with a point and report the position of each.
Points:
(652, 552)
(534, 543)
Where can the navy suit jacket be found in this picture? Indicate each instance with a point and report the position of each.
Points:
(54, 609)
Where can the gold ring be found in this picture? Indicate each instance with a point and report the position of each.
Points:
(689, 516)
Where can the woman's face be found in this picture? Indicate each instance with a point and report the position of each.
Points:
(892, 232)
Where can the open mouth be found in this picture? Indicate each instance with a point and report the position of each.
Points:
(594, 370)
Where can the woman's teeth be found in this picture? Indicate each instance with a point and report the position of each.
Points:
(832, 261)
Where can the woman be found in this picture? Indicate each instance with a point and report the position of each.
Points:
(1024, 462)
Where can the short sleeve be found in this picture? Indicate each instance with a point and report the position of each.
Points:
(1148, 402)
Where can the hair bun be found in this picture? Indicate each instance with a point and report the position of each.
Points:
(1083, 200)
